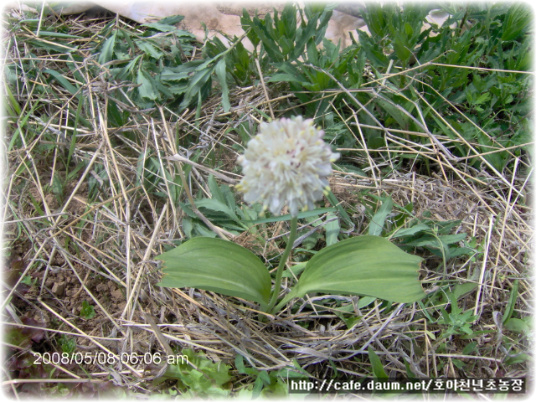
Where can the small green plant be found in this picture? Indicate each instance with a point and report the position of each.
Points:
(87, 311)
(198, 376)
(453, 319)
(283, 37)
(153, 60)
(67, 344)
(268, 383)
(287, 163)
(222, 209)
(458, 322)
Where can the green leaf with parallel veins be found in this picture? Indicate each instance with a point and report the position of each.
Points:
(363, 265)
(219, 266)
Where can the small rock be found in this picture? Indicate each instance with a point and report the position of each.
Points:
(59, 289)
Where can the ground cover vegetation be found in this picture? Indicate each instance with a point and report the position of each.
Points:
(121, 143)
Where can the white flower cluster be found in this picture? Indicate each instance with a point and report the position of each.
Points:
(287, 163)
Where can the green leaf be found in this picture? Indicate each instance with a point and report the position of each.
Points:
(218, 206)
(58, 35)
(149, 49)
(378, 220)
(285, 77)
(219, 266)
(518, 358)
(342, 212)
(12, 105)
(517, 325)
(511, 302)
(169, 74)
(247, 25)
(470, 348)
(63, 81)
(264, 31)
(166, 24)
(87, 311)
(195, 87)
(146, 88)
(420, 227)
(220, 70)
(215, 189)
(401, 49)
(452, 239)
(287, 217)
(462, 289)
(377, 366)
(107, 49)
(363, 265)
(332, 228)
(199, 376)
(294, 270)
(518, 21)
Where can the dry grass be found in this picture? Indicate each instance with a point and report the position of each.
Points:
(99, 246)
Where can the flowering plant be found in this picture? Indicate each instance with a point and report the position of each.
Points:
(287, 165)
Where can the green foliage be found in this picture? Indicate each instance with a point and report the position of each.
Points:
(217, 265)
(452, 319)
(509, 320)
(87, 311)
(268, 383)
(153, 61)
(434, 236)
(377, 366)
(440, 238)
(67, 344)
(222, 209)
(366, 265)
(470, 68)
(282, 37)
(520, 328)
(486, 104)
(490, 40)
(394, 34)
(198, 376)
(378, 220)
(458, 322)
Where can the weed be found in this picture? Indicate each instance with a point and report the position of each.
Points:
(198, 376)
(87, 311)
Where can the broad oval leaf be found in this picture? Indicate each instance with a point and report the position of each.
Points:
(363, 265)
(219, 266)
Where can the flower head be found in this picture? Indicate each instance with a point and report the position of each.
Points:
(287, 163)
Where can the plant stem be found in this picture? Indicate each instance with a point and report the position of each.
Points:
(282, 303)
(282, 262)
